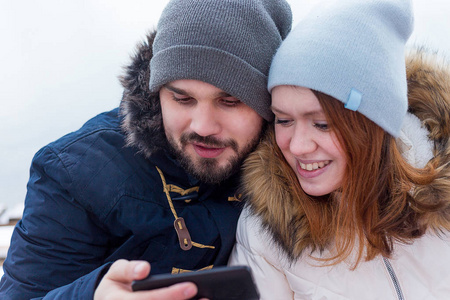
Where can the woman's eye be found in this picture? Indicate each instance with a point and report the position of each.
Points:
(282, 121)
(321, 126)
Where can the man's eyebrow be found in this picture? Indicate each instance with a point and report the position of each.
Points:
(183, 92)
(175, 90)
(224, 95)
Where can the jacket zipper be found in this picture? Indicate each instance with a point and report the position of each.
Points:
(394, 279)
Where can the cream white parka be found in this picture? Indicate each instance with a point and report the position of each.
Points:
(417, 271)
(420, 270)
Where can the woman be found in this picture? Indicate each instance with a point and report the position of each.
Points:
(354, 203)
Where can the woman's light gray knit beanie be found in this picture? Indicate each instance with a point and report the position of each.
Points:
(354, 51)
(226, 43)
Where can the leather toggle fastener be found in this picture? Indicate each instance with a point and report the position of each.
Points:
(183, 234)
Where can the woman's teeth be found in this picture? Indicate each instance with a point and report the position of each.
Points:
(314, 166)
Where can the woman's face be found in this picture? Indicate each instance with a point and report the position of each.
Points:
(308, 144)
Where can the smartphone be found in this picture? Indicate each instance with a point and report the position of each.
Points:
(220, 283)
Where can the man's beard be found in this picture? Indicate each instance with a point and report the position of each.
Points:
(207, 169)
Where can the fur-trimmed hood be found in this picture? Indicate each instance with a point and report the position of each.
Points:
(267, 190)
(140, 109)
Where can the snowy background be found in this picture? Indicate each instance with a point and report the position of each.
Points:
(60, 61)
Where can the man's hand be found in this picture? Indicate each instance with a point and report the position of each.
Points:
(116, 284)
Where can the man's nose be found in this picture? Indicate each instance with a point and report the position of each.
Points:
(205, 120)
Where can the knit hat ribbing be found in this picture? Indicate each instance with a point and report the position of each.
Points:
(226, 43)
(354, 51)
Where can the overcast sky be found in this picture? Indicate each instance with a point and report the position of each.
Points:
(60, 61)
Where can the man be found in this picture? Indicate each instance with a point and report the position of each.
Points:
(153, 181)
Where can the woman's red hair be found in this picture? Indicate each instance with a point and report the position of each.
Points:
(373, 207)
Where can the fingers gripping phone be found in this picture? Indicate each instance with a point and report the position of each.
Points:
(221, 283)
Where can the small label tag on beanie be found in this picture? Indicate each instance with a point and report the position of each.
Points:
(354, 100)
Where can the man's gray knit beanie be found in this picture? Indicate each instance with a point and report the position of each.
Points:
(226, 43)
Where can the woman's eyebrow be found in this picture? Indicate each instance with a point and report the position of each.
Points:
(274, 109)
(310, 113)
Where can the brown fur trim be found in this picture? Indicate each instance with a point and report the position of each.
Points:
(141, 110)
(429, 92)
(429, 99)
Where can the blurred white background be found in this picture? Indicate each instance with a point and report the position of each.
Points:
(60, 61)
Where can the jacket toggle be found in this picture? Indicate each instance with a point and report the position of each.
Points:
(184, 238)
(186, 195)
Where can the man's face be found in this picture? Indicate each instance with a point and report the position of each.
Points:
(210, 131)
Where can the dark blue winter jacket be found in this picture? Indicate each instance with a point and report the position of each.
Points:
(92, 200)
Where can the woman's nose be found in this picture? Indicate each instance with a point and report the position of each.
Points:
(302, 142)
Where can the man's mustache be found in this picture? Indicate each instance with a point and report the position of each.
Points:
(209, 141)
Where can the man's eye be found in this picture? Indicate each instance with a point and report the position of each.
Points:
(181, 99)
(229, 102)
